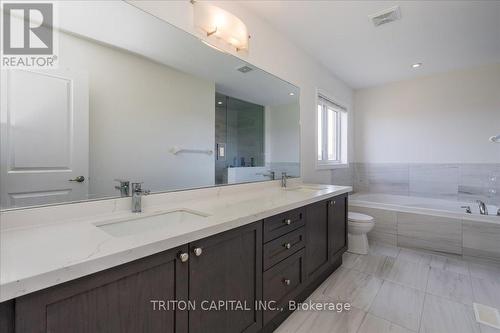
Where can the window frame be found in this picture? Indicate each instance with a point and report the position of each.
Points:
(342, 148)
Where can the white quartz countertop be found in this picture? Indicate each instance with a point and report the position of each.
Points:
(43, 247)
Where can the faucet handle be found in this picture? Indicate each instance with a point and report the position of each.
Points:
(467, 209)
(137, 186)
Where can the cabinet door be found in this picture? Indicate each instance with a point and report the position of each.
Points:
(229, 269)
(7, 317)
(316, 239)
(114, 300)
(337, 224)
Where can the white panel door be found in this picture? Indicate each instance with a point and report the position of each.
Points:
(44, 137)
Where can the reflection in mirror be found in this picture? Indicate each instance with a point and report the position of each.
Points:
(134, 99)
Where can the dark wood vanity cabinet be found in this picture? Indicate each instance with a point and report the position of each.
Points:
(114, 300)
(282, 258)
(337, 226)
(316, 239)
(137, 297)
(326, 234)
(228, 268)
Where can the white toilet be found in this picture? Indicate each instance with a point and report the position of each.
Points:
(358, 225)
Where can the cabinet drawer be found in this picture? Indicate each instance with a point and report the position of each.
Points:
(283, 282)
(281, 248)
(278, 225)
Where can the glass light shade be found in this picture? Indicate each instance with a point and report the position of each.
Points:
(215, 22)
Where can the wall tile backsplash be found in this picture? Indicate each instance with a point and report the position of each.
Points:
(434, 180)
(462, 182)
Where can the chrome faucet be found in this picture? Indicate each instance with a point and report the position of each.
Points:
(124, 187)
(283, 179)
(137, 193)
(467, 209)
(482, 207)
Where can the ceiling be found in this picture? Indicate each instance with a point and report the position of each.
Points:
(443, 35)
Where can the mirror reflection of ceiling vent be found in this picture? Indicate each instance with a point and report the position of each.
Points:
(386, 16)
(245, 69)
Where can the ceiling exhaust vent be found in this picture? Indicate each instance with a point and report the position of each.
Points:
(245, 69)
(386, 16)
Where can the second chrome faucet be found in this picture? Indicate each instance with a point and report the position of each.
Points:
(137, 193)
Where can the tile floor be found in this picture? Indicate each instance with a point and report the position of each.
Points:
(400, 290)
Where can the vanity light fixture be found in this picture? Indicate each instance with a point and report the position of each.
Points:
(416, 65)
(220, 26)
(291, 94)
(219, 103)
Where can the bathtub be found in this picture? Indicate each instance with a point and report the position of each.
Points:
(424, 205)
(431, 224)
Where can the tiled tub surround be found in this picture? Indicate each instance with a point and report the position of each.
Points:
(458, 182)
(430, 224)
(43, 247)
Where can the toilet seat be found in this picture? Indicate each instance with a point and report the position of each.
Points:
(360, 218)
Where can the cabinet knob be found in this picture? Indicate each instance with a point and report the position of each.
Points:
(183, 257)
(288, 221)
(287, 245)
(197, 251)
(332, 202)
(286, 282)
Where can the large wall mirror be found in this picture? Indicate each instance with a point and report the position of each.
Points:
(136, 99)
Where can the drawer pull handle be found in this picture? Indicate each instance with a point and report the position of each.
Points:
(197, 251)
(183, 257)
(286, 282)
(288, 221)
(287, 246)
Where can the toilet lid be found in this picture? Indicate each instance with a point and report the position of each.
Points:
(358, 217)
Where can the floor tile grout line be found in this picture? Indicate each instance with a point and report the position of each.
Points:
(399, 325)
(423, 304)
(362, 321)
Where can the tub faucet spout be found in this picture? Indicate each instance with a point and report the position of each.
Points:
(467, 209)
(482, 207)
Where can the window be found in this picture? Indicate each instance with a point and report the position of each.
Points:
(332, 134)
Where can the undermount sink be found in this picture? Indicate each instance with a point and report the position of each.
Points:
(305, 188)
(149, 222)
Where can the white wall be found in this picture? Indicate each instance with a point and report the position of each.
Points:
(445, 118)
(272, 52)
(282, 133)
(139, 110)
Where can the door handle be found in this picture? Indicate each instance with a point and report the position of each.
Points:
(79, 179)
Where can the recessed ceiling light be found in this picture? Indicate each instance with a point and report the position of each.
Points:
(219, 102)
(292, 94)
(417, 65)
